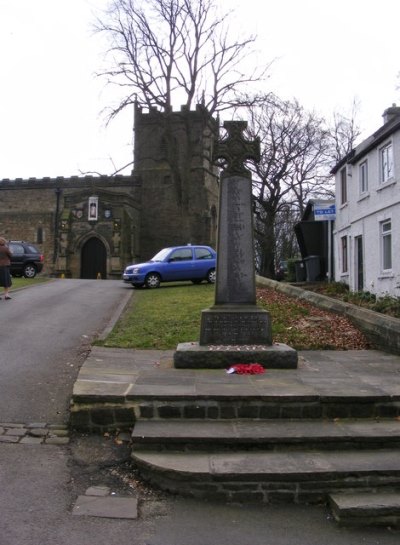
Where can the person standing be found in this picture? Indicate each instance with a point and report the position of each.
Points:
(5, 262)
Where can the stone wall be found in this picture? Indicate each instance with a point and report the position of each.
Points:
(53, 214)
(27, 213)
(382, 331)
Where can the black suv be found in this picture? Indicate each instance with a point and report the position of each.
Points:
(26, 259)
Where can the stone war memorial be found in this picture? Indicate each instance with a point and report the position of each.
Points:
(235, 330)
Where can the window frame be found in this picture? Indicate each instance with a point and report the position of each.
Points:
(343, 185)
(386, 163)
(386, 245)
(345, 254)
(363, 177)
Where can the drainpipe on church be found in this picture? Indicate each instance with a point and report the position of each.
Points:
(58, 192)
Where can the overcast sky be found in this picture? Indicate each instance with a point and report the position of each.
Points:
(326, 54)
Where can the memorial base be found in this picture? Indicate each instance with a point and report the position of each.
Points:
(192, 355)
(235, 324)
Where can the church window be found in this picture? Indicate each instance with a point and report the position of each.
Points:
(39, 235)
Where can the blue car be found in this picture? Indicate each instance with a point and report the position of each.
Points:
(195, 263)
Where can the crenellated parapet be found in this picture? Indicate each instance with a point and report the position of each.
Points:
(71, 182)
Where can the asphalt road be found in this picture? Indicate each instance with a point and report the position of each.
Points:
(45, 332)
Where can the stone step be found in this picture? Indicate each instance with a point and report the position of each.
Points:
(232, 403)
(267, 434)
(378, 509)
(302, 476)
(100, 412)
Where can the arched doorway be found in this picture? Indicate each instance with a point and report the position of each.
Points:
(93, 259)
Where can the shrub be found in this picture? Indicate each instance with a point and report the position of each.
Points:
(336, 288)
(387, 305)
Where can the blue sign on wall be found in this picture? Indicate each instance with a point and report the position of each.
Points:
(324, 212)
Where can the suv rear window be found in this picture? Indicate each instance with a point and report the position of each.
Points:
(16, 249)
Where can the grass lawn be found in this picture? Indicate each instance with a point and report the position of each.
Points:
(21, 282)
(162, 318)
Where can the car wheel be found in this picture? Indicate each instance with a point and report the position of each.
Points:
(153, 280)
(29, 271)
(211, 276)
(196, 281)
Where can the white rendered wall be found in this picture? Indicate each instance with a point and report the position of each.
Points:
(362, 216)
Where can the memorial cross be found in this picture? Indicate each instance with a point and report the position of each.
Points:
(235, 149)
(235, 318)
(235, 330)
(236, 271)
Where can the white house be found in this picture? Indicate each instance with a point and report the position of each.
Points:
(367, 226)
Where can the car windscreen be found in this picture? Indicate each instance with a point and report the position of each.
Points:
(161, 255)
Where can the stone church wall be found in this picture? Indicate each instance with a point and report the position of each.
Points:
(53, 214)
(135, 216)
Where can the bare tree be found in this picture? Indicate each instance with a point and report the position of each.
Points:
(293, 166)
(165, 53)
(343, 133)
(173, 52)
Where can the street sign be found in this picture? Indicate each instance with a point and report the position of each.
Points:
(324, 211)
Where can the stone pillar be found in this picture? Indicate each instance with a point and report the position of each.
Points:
(236, 279)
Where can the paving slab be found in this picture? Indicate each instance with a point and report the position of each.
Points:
(104, 390)
(98, 491)
(106, 506)
(366, 504)
(366, 508)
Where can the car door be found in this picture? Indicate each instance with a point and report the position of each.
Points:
(203, 262)
(179, 264)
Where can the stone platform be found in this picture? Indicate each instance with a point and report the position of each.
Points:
(329, 427)
(116, 387)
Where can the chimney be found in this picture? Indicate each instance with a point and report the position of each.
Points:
(391, 113)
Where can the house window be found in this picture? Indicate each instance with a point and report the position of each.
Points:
(386, 158)
(343, 186)
(363, 177)
(344, 255)
(386, 238)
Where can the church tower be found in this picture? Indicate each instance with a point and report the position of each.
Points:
(179, 187)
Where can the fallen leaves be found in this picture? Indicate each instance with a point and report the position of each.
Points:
(305, 327)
